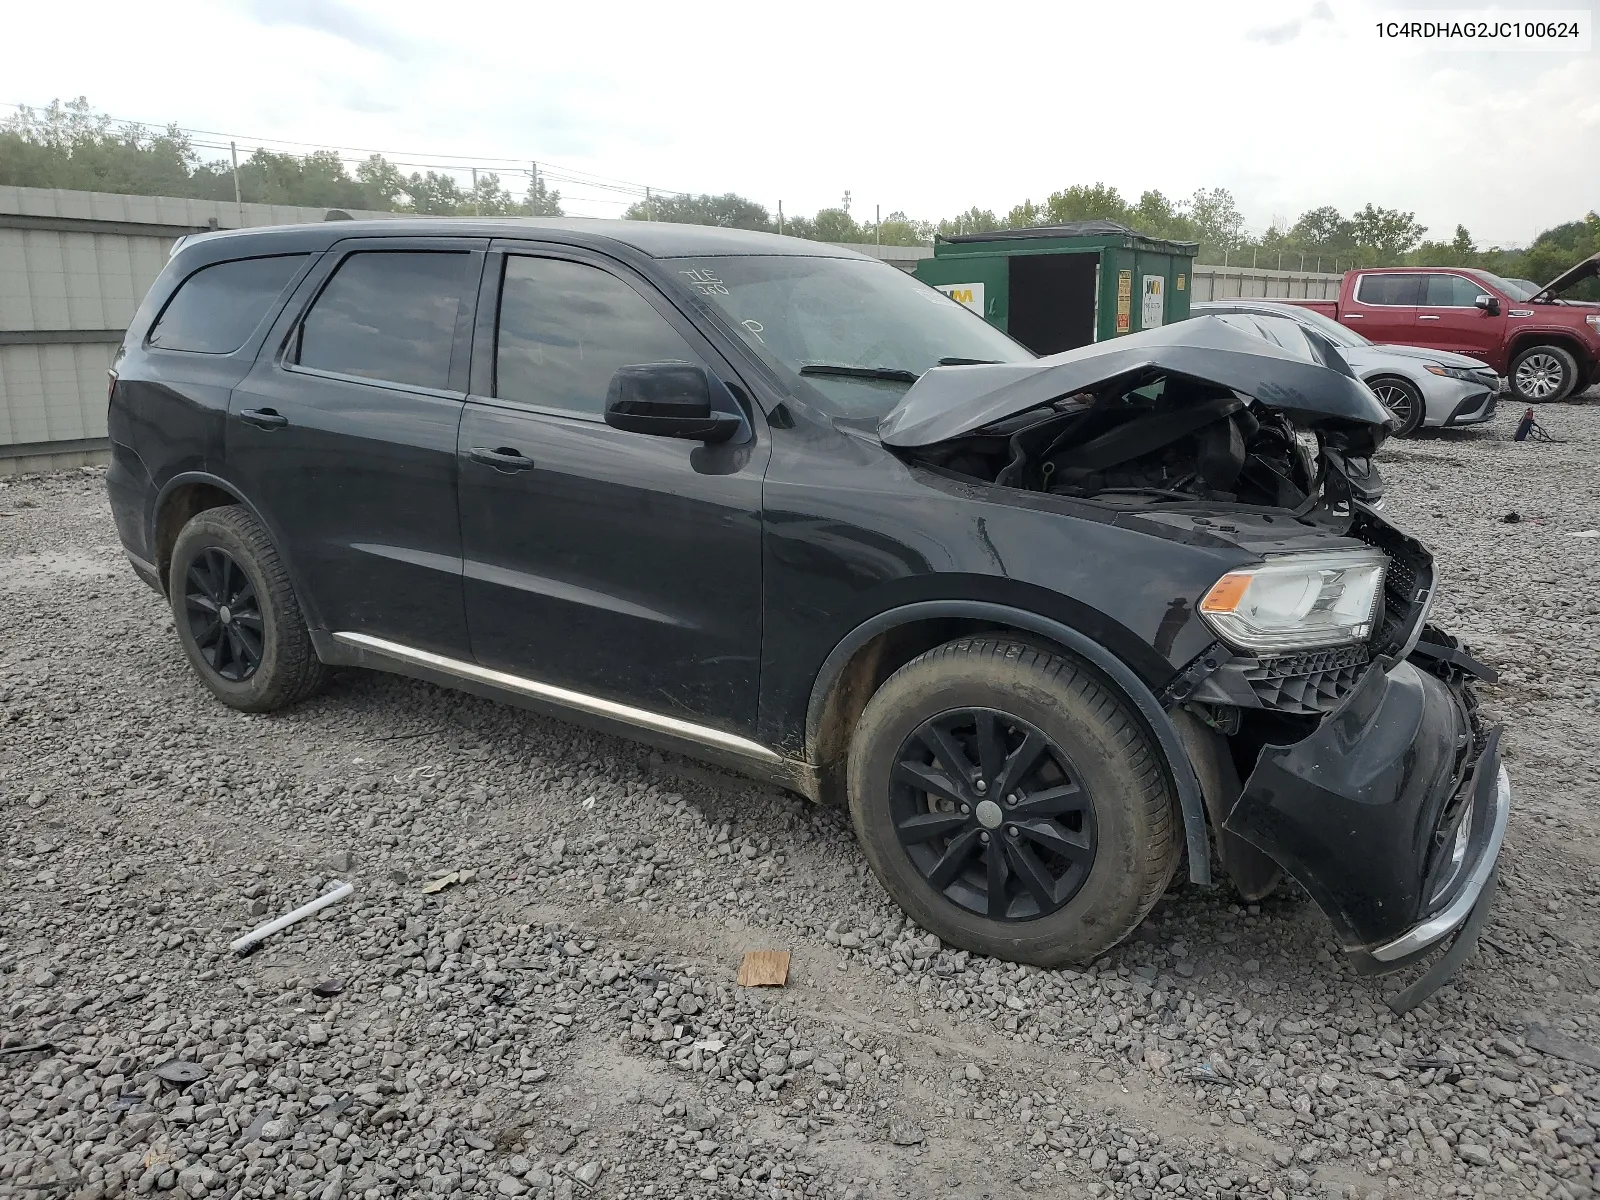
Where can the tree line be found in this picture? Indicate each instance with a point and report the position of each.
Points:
(70, 146)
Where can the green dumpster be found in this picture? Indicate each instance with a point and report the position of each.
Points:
(1056, 287)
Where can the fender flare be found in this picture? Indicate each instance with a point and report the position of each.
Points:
(1135, 690)
(164, 493)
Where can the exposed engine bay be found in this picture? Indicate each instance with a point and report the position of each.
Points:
(1173, 438)
(1199, 410)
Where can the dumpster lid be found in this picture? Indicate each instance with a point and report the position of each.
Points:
(1071, 229)
(950, 402)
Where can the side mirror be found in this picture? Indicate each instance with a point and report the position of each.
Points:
(1489, 304)
(668, 399)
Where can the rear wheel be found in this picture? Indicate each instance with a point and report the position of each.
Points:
(1010, 803)
(237, 615)
(1544, 374)
(1403, 400)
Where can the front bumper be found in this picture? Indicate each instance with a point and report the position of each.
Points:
(1365, 811)
(1473, 410)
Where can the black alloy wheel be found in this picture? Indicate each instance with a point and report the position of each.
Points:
(224, 614)
(992, 814)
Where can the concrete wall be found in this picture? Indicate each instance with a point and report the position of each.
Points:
(1227, 283)
(73, 268)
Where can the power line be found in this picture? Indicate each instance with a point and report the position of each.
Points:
(433, 161)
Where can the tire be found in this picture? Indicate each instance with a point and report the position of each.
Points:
(1403, 400)
(260, 658)
(1130, 822)
(1543, 375)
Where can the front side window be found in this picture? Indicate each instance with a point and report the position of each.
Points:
(808, 317)
(565, 329)
(1390, 289)
(1452, 291)
(218, 307)
(388, 315)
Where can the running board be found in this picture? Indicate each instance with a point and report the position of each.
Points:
(578, 702)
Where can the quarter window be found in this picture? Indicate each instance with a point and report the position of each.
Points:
(389, 315)
(566, 327)
(1390, 289)
(1452, 291)
(218, 307)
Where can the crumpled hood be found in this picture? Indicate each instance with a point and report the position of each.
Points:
(948, 402)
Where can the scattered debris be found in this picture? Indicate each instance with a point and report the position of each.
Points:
(259, 934)
(177, 1071)
(439, 883)
(1528, 428)
(1586, 533)
(1511, 518)
(328, 988)
(1561, 1046)
(764, 968)
(30, 1048)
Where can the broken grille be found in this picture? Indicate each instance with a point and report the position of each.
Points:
(1315, 682)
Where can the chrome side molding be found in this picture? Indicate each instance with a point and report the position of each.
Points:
(564, 697)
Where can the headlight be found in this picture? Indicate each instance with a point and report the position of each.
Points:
(1298, 602)
(1466, 373)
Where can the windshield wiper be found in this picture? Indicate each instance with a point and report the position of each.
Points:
(891, 374)
(968, 362)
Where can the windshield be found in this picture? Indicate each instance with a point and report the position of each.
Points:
(1510, 287)
(801, 314)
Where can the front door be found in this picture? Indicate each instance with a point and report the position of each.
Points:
(344, 435)
(1449, 317)
(621, 565)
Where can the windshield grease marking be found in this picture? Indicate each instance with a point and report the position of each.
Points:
(706, 282)
(756, 329)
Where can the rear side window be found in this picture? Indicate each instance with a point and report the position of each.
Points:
(1452, 291)
(218, 307)
(389, 315)
(566, 327)
(1390, 289)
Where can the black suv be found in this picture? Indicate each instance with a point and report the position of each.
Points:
(1045, 625)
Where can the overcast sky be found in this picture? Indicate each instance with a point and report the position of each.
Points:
(928, 107)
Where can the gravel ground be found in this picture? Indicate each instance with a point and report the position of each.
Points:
(562, 1020)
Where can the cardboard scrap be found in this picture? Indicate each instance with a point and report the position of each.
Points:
(1551, 1041)
(442, 882)
(764, 968)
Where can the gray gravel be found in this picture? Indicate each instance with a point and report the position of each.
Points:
(561, 1020)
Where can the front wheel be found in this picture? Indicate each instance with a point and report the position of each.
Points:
(237, 615)
(1010, 803)
(1544, 374)
(1404, 402)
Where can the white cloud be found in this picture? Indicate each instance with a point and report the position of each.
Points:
(925, 107)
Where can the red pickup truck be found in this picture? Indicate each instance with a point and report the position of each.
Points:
(1547, 344)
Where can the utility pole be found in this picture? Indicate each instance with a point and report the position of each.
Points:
(780, 216)
(847, 202)
(649, 206)
(238, 198)
(475, 211)
(533, 188)
(877, 226)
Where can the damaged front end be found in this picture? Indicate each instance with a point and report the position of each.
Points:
(1354, 756)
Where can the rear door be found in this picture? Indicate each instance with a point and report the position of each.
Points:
(344, 436)
(1449, 317)
(1383, 307)
(619, 565)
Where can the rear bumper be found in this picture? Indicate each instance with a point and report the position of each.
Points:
(1391, 813)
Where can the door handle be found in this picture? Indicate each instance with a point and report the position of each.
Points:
(1427, 317)
(1352, 316)
(502, 459)
(264, 418)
